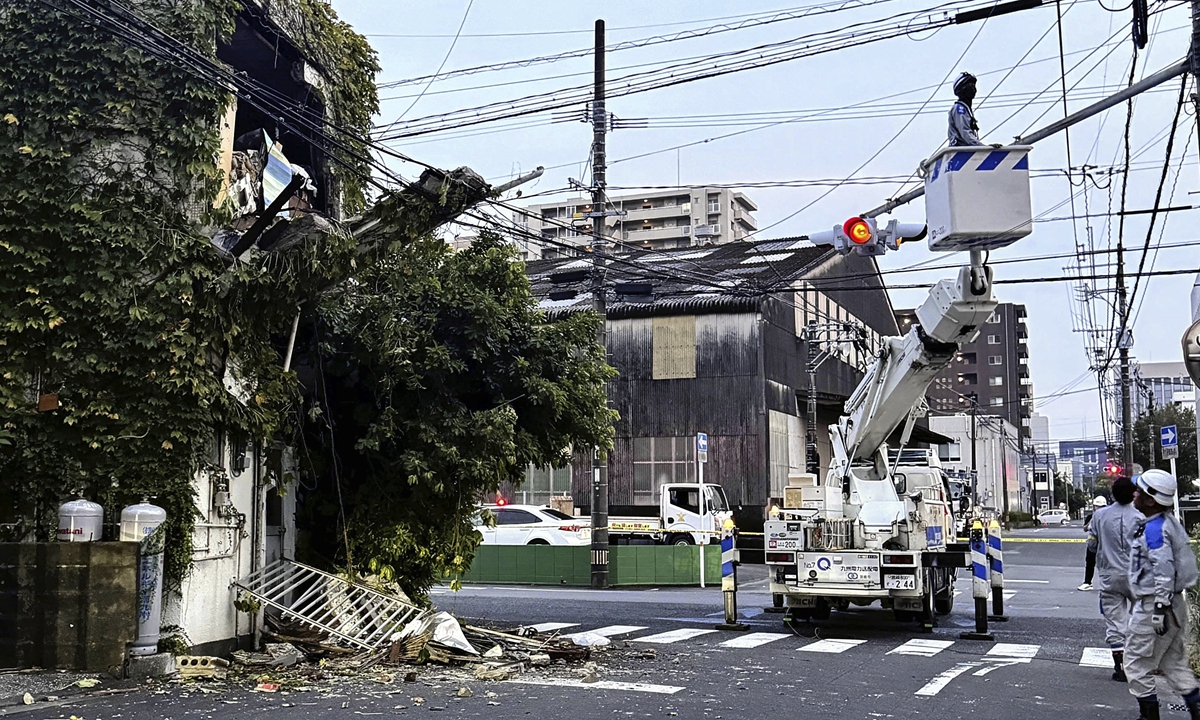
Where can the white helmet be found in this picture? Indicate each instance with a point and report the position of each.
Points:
(1158, 484)
(1099, 502)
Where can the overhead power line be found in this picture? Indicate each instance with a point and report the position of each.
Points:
(721, 64)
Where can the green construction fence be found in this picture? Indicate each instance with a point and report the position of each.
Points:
(571, 565)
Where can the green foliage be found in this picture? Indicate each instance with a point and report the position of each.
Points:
(1146, 443)
(1018, 516)
(441, 381)
(110, 295)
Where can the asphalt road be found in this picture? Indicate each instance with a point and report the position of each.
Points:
(858, 664)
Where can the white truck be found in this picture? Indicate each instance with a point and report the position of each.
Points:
(881, 525)
(687, 514)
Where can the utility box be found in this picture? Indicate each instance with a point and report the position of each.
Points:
(977, 198)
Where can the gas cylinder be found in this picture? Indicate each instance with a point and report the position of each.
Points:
(138, 522)
(80, 521)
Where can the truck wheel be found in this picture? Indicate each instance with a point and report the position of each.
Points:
(943, 599)
(679, 540)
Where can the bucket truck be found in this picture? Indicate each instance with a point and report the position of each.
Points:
(881, 526)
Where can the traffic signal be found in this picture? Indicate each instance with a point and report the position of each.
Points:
(855, 235)
(864, 236)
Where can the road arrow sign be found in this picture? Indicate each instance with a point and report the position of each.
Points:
(702, 442)
(1168, 436)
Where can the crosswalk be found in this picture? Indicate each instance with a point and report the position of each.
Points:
(997, 655)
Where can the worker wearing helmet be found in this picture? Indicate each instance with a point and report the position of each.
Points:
(964, 129)
(1109, 537)
(1089, 567)
(1161, 567)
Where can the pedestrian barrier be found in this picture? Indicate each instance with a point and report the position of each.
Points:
(979, 584)
(654, 565)
(996, 558)
(729, 563)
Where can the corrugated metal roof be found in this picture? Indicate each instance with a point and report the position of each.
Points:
(721, 278)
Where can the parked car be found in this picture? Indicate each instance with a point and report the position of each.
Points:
(1053, 517)
(533, 525)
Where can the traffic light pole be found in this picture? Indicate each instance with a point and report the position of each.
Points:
(599, 469)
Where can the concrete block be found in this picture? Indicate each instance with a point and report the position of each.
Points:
(140, 667)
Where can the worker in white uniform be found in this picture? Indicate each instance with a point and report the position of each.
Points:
(1161, 567)
(1089, 567)
(1109, 536)
(964, 129)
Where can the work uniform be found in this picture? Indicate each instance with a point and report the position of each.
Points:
(1161, 567)
(964, 130)
(1109, 537)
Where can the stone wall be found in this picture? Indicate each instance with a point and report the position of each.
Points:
(67, 605)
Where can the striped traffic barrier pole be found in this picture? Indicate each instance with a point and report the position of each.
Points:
(979, 584)
(729, 563)
(996, 558)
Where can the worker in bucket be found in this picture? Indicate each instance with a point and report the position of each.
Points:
(1109, 536)
(1161, 568)
(964, 129)
(1089, 566)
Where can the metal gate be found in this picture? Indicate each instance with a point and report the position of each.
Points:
(355, 614)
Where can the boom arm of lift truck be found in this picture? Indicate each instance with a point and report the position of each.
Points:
(894, 387)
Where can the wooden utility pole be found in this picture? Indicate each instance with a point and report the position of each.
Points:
(599, 205)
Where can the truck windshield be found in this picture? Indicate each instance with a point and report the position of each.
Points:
(714, 498)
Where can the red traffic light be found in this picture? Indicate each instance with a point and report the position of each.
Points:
(857, 230)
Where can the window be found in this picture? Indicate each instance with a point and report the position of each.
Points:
(967, 358)
(541, 484)
(714, 206)
(686, 498)
(995, 359)
(993, 339)
(994, 319)
(514, 517)
(996, 381)
(950, 452)
(997, 401)
(658, 461)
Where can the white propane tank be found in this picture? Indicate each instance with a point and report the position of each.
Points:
(138, 522)
(80, 521)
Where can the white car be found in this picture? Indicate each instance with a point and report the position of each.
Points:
(534, 525)
(1054, 517)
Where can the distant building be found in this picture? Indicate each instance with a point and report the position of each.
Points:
(992, 371)
(1162, 383)
(652, 220)
(1087, 459)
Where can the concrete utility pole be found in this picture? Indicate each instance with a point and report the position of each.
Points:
(599, 204)
(1123, 349)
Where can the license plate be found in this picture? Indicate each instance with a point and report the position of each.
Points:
(899, 582)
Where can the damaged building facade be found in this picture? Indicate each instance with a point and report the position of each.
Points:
(700, 347)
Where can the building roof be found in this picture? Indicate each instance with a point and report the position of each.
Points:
(730, 277)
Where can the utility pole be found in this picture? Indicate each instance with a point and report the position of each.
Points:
(599, 462)
(974, 471)
(1123, 349)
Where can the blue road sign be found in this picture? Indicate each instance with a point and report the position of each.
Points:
(1168, 436)
(702, 442)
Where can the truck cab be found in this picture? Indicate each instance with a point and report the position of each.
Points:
(687, 514)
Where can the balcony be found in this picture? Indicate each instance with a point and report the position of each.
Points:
(640, 235)
(636, 213)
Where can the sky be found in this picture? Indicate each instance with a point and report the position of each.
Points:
(861, 117)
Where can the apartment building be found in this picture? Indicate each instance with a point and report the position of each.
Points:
(652, 220)
(992, 372)
(1161, 383)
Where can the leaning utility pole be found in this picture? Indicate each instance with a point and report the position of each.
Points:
(599, 204)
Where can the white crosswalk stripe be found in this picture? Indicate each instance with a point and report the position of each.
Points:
(1012, 651)
(753, 640)
(552, 626)
(1096, 657)
(923, 648)
(611, 631)
(674, 636)
(831, 646)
